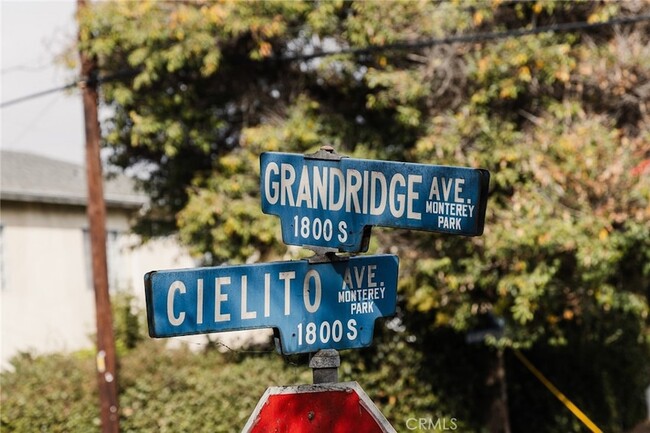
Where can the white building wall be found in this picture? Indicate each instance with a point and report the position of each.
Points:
(46, 295)
(45, 301)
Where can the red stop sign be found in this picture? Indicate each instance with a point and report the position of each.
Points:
(330, 407)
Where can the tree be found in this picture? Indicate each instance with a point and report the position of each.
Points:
(560, 120)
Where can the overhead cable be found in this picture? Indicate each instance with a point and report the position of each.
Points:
(126, 73)
(468, 38)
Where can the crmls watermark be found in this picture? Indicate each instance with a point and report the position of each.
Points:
(438, 424)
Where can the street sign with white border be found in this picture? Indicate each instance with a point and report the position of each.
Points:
(326, 305)
(332, 203)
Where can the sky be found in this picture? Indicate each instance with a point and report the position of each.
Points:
(32, 35)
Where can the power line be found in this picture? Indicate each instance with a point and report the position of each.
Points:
(127, 73)
(39, 94)
(404, 45)
(475, 37)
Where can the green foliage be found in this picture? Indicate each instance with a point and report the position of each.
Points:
(561, 121)
(54, 394)
(198, 82)
(128, 322)
(179, 391)
(195, 392)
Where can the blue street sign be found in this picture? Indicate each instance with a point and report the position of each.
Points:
(333, 203)
(330, 305)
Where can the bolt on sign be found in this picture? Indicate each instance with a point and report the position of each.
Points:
(313, 306)
(332, 203)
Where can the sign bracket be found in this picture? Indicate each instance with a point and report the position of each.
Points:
(327, 153)
(325, 365)
(325, 255)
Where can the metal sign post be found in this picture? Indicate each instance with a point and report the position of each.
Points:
(325, 364)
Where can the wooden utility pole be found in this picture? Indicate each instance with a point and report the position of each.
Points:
(96, 210)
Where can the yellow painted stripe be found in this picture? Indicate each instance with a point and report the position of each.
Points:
(556, 392)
